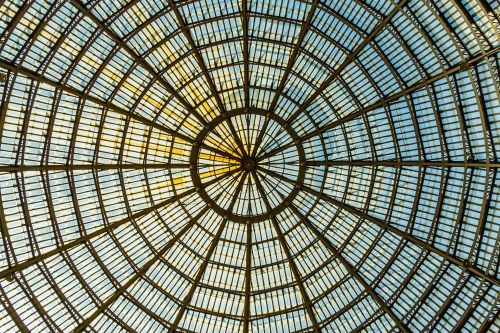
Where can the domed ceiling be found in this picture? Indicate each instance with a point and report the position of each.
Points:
(249, 166)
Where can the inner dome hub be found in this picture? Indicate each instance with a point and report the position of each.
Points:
(249, 164)
(238, 169)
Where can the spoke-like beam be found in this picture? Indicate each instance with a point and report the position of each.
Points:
(210, 81)
(248, 261)
(11, 25)
(141, 61)
(431, 164)
(108, 105)
(281, 238)
(293, 57)
(245, 18)
(64, 167)
(71, 244)
(465, 264)
(204, 265)
(349, 59)
(138, 59)
(291, 62)
(246, 52)
(138, 274)
(199, 275)
(351, 269)
(248, 272)
(120, 11)
(464, 66)
(13, 312)
(85, 96)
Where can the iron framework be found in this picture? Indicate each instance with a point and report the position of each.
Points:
(245, 166)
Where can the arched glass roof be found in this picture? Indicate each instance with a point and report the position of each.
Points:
(249, 166)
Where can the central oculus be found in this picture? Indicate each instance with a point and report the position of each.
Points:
(247, 166)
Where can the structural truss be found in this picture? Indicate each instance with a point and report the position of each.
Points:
(249, 166)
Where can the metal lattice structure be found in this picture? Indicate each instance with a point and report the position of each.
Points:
(249, 166)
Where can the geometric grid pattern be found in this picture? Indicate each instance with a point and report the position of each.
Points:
(245, 166)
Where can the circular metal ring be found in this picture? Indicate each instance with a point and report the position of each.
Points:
(194, 154)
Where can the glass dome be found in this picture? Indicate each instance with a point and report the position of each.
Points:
(249, 166)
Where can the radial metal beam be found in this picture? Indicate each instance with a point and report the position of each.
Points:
(120, 11)
(248, 282)
(47, 17)
(71, 244)
(245, 20)
(452, 296)
(351, 269)
(204, 265)
(108, 105)
(210, 81)
(199, 275)
(432, 164)
(471, 309)
(138, 59)
(65, 167)
(7, 31)
(291, 62)
(7, 305)
(248, 264)
(138, 274)
(281, 238)
(349, 59)
(464, 66)
(464, 264)
(246, 53)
